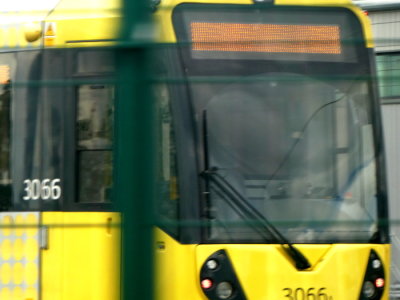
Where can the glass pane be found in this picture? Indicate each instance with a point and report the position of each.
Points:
(5, 124)
(310, 170)
(7, 69)
(95, 116)
(95, 176)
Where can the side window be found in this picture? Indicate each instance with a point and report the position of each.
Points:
(168, 200)
(5, 125)
(7, 62)
(94, 130)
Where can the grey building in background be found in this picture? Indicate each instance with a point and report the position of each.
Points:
(386, 28)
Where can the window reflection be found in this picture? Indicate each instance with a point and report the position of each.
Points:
(299, 151)
(5, 102)
(5, 142)
(95, 176)
(95, 116)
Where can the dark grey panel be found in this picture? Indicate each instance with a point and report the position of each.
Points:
(37, 137)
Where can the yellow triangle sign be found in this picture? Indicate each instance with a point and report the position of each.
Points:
(50, 30)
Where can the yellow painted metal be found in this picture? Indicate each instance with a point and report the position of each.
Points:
(85, 32)
(265, 271)
(75, 21)
(17, 36)
(19, 256)
(176, 271)
(82, 261)
(81, 23)
(17, 29)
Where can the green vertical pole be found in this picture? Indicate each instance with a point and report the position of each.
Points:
(134, 148)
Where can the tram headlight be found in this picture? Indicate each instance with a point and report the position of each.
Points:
(369, 289)
(32, 32)
(224, 290)
(212, 264)
(376, 264)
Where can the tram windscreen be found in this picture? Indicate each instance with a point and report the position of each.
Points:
(297, 149)
(290, 131)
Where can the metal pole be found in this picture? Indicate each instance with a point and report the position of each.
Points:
(134, 154)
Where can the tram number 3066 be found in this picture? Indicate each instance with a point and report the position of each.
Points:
(46, 189)
(306, 294)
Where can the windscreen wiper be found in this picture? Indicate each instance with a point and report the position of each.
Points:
(246, 208)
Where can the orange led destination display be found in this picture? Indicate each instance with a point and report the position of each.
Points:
(271, 38)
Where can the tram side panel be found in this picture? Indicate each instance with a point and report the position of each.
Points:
(52, 246)
(81, 259)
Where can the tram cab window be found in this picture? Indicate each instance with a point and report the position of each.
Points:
(94, 130)
(95, 111)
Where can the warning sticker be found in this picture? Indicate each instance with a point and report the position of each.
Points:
(50, 29)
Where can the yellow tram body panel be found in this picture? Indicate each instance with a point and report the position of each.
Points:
(101, 36)
(21, 30)
(82, 258)
(266, 272)
(19, 256)
(77, 23)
